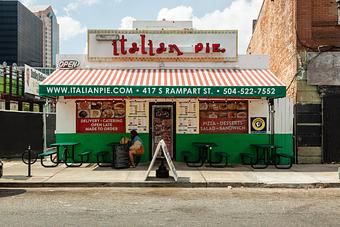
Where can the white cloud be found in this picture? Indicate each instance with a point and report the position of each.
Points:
(177, 13)
(239, 15)
(126, 23)
(69, 27)
(72, 6)
(28, 3)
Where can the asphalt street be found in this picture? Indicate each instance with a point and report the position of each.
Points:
(169, 207)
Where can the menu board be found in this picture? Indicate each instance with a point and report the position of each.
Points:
(162, 126)
(137, 116)
(224, 117)
(100, 117)
(187, 117)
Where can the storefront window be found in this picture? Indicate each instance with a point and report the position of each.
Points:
(100, 117)
(224, 117)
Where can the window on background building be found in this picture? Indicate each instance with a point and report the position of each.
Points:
(338, 5)
(25, 106)
(51, 107)
(2, 105)
(36, 107)
(14, 106)
(223, 117)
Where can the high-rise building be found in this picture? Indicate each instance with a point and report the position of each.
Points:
(21, 35)
(50, 34)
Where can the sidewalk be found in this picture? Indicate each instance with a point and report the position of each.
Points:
(90, 175)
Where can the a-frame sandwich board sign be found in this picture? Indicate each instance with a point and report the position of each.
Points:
(162, 145)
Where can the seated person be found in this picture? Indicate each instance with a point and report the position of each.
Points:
(136, 147)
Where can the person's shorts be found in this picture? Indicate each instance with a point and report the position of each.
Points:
(139, 150)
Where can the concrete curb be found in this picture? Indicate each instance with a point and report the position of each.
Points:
(163, 184)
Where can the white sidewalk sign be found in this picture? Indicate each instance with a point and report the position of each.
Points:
(171, 165)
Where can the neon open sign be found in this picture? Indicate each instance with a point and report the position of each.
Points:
(68, 64)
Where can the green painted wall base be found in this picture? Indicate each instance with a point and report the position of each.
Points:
(233, 144)
(98, 142)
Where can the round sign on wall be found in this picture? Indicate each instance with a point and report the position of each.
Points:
(258, 124)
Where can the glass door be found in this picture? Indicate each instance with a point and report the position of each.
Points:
(162, 126)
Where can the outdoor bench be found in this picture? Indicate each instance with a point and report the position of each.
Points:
(101, 157)
(287, 156)
(197, 163)
(48, 152)
(221, 163)
(222, 156)
(84, 157)
(247, 158)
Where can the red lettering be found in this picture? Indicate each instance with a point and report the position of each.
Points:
(114, 44)
(122, 45)
(161, 48)
(216, 48)
(207, 48)
(173, 48)
(134, 48)
(198, 47)
(143, 44)
(151, 53)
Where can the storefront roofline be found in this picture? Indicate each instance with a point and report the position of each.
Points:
(243, 62)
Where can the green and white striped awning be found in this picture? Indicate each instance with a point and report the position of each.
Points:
(163, 83)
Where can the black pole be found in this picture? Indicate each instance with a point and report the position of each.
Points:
(29, 160)
(10, 81)
(5, 79)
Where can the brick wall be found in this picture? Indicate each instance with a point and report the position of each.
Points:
(317, 23)
(274, 35)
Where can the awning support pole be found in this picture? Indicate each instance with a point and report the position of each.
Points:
(272, 120)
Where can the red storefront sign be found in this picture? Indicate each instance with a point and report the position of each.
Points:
(100, 125)
(218, 125)
(100, 117)
(120, 47)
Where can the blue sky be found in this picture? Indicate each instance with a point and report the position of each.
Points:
(76, 16)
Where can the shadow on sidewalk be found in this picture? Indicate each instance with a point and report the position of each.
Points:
(11, 192)
(232, 167)
(15, 177)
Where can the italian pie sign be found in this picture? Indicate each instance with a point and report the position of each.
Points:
(258, 124)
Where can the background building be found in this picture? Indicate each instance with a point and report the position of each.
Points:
(21, 44)
(302, 39)
(50, 34)
(21, 35)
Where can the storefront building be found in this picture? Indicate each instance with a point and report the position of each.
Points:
(307, 36)
(180, 85)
